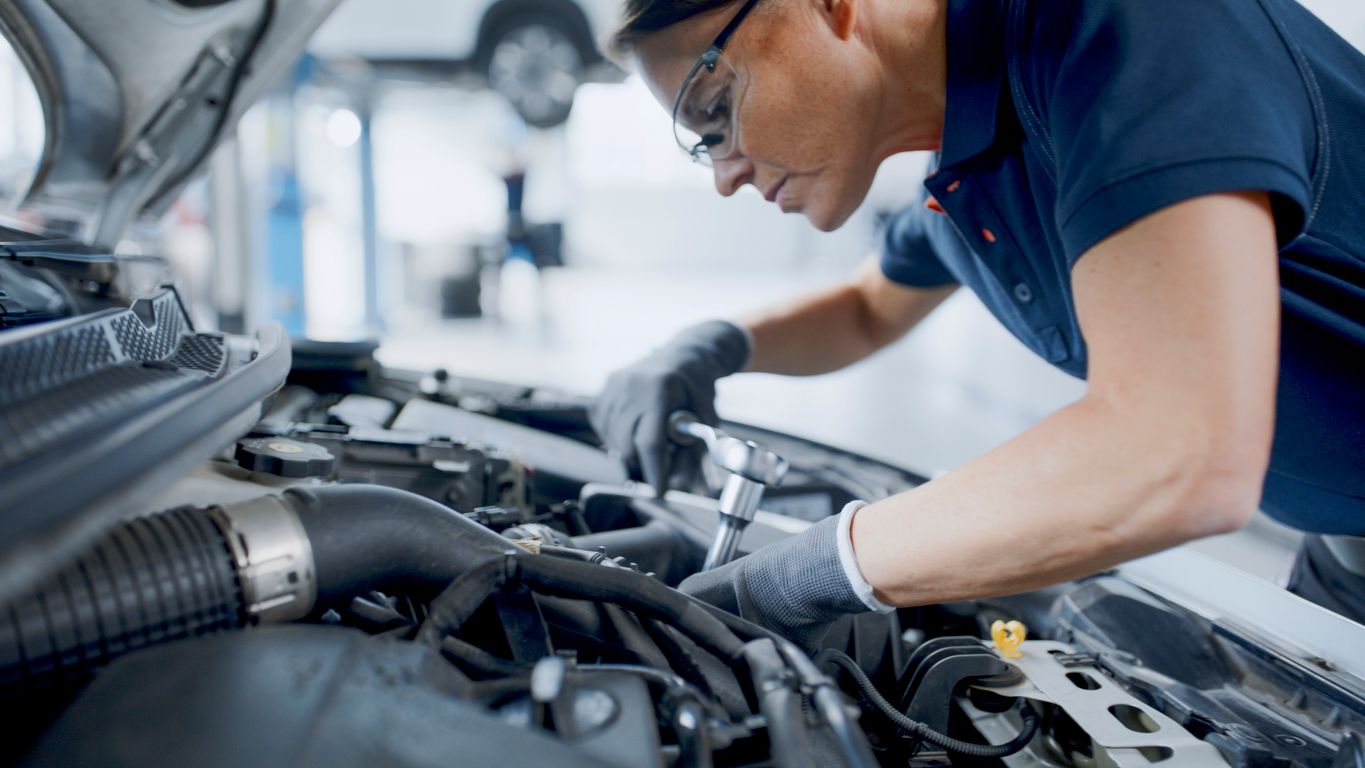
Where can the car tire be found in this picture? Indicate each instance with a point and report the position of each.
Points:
(536, 60)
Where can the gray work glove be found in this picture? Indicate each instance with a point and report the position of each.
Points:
(796, 587)
(631, 414)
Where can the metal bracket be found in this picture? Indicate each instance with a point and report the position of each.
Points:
(1131, 733)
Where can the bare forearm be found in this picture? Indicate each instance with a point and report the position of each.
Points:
(839, 326)
(1088, 488)
(817, 334)
(1181, 316)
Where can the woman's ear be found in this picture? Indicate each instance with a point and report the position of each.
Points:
(842, 16)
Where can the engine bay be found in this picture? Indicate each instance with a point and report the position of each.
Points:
(412, 569)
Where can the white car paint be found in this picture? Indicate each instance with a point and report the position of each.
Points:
(425, 29)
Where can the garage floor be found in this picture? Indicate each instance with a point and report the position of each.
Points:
(951, 390)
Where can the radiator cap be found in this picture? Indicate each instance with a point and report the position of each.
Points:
(284, 457)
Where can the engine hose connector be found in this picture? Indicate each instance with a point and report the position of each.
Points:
(273, 555)
(190, 572)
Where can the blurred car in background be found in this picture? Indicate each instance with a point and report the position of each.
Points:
(534, 52)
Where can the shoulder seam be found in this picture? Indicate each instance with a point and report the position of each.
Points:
(1139, 172)
(1322, 131)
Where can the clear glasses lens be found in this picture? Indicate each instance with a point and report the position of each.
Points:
(704, 123)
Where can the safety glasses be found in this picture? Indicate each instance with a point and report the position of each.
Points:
(704, 112)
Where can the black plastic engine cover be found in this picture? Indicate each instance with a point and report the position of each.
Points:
(299, 696)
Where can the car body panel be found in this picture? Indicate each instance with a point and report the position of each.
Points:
(428, 30)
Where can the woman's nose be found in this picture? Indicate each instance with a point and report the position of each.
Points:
(732, 173)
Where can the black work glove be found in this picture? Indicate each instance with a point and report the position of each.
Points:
(796, 587)
(631, 414)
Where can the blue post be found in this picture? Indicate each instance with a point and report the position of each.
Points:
(284, 219)
(369, 223)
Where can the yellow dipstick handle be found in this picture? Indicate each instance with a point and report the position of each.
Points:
(1008, 637)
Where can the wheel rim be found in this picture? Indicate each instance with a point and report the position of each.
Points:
(537, 68)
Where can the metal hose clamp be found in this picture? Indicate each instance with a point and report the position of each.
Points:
(273, 555)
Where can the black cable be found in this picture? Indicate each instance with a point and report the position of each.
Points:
(789, 735)
(579, 581)
(479, 659)
(678, 657)
(923, 731)
(462, 598)
(695, 747)
(671, 683)
(829, 702)
(851, 740)
(634, 592)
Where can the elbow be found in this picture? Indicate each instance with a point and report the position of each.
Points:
(873, 334)
(1199, 472)
(1199, 462)
(1223, 486)
(1223, 503)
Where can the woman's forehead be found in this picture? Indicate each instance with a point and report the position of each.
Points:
(666, 56)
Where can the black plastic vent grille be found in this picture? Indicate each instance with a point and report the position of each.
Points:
(202, 353)
(141, 343)
(89, 403)
(89, 375)
(47, 361)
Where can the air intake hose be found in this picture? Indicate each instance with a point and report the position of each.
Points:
(190, 572)
(147, 581)
(367, 537)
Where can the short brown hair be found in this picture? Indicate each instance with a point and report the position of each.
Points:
(641, 17)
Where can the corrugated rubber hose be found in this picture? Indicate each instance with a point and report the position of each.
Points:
(149, 580)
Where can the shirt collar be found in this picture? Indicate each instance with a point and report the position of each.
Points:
(976, 73)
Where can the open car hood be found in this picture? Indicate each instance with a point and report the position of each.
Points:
(137, 93)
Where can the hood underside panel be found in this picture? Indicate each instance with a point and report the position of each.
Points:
(136, 94)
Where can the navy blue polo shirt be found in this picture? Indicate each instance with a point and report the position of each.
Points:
(1069, 119)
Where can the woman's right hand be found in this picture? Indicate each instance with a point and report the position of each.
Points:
(631, 414)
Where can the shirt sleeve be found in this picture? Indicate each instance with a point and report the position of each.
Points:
(1147, 104)
(911, 248)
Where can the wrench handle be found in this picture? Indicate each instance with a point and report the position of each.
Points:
(726, 543)
(685, 428)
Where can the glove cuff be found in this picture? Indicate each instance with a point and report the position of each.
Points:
(849, 562)
(726, 344)
(748, 343)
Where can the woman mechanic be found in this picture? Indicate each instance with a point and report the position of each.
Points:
(1164, 197)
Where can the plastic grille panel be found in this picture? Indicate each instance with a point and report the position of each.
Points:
(201, 353)
(89, 375)
(54, 416)
(46, 362)
(142, 343)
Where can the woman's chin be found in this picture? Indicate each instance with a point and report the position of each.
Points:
(841, 198)
(827, 218)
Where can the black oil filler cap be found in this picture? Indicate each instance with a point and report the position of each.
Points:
(284, 457)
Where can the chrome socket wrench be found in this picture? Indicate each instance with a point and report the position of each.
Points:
(752, 468)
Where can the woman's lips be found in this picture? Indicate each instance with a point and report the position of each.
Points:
(771, 194)
(777, 195)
